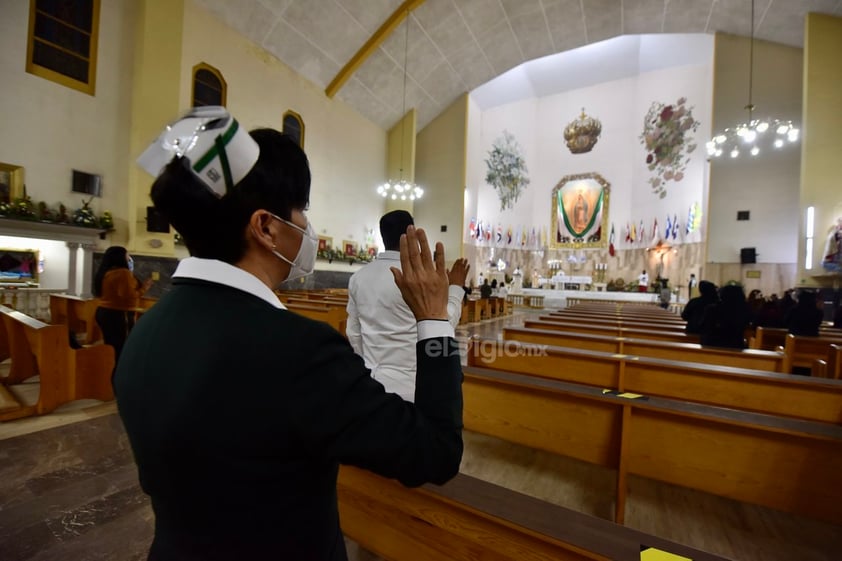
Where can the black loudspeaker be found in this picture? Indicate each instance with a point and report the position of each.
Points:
(155, 221)
(748, 255)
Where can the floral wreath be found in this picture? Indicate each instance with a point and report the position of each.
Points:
(668, 142)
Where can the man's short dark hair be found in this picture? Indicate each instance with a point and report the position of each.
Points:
(392, 226)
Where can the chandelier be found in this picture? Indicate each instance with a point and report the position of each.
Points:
(402, 189)
(754, 134)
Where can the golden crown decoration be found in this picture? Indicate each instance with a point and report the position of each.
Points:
(582, 134)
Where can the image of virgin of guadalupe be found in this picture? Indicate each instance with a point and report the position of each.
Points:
(580, 213)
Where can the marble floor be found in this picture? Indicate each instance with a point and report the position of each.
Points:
(68, 491)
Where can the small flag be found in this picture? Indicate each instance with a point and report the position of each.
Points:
(633, 233)
(641, 233)
(473, 228)
(655, 233)
(675, 227)
(611, 242)
(628, 232)
(668, 230)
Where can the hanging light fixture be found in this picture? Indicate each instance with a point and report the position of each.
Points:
(753, 135)
(402, 189)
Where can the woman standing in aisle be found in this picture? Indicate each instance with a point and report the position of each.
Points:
(119, 292)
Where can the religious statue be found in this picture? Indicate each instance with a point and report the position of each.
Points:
(832, 256)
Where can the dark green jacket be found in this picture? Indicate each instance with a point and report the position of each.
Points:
(239, 414)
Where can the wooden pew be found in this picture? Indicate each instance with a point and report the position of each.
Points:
(474, 310)
(671, 321)
(803, 351)
(614, 331)
(770, 338)
(723, 386)
(41, 349)
(753, 359)
(79, 314)
(786, 464)
(468, 519)
(635, 324)
(834, 362)
(334, 316)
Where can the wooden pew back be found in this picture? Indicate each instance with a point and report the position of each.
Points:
(723, 386)
(802, 351)
(454, 522)
(712, 449)
(614, 331)
(65, 374)
(753, 359)
(79, 314)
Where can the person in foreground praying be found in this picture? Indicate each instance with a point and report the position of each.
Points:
(381, 326)
(238, 411)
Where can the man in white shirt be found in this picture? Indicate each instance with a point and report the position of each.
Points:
(381, 328)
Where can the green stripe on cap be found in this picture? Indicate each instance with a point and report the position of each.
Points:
(223, 160)
(217, 148)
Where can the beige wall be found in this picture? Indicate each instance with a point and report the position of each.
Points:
(51, 129)
(821, 168)
(440, 168)
(767, 184)
(347, 153)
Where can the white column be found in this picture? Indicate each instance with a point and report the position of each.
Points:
(71, 267)
(87, 269)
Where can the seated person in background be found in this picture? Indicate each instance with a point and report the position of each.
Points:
(694, 311)
(485, 289)
(119, 291)
(805, 318)
(381, 327)
(502, 291)
(725, 322)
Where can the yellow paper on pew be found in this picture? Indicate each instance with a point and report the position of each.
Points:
(628, 395)
(653, 554)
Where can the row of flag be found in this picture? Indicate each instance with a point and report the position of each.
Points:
(522, 237)
(671, 231)
(636, 233)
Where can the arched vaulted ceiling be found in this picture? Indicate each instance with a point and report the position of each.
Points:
(457, 45)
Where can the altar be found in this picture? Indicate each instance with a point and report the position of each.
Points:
(565, 282)
(565, 298)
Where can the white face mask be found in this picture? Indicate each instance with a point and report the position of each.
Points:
(305, 260)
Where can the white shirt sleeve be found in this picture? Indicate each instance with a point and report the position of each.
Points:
(454, 304)
(352, 325)
(431, 329)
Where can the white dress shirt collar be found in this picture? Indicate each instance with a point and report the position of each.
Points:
(219, 272)
(389, 255)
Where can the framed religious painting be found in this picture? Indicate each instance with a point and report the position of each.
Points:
(350, 248)
(11, 182)
(580, 212)
(325, 243)
(372, 251)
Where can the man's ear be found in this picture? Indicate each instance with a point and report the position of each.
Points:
(260, 225)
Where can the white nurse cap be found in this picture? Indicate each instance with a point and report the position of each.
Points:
(216, 149)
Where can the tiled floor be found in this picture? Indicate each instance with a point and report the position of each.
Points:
(68, 491)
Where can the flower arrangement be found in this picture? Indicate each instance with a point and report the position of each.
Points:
(25, 209)
(507, 171)
(668, 142)
(331, 255)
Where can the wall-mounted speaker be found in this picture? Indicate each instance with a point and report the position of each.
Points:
(155, 221)
(748, 255)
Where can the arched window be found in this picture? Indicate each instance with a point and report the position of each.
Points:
(209, 86)
(62, 42)
(294, 126)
